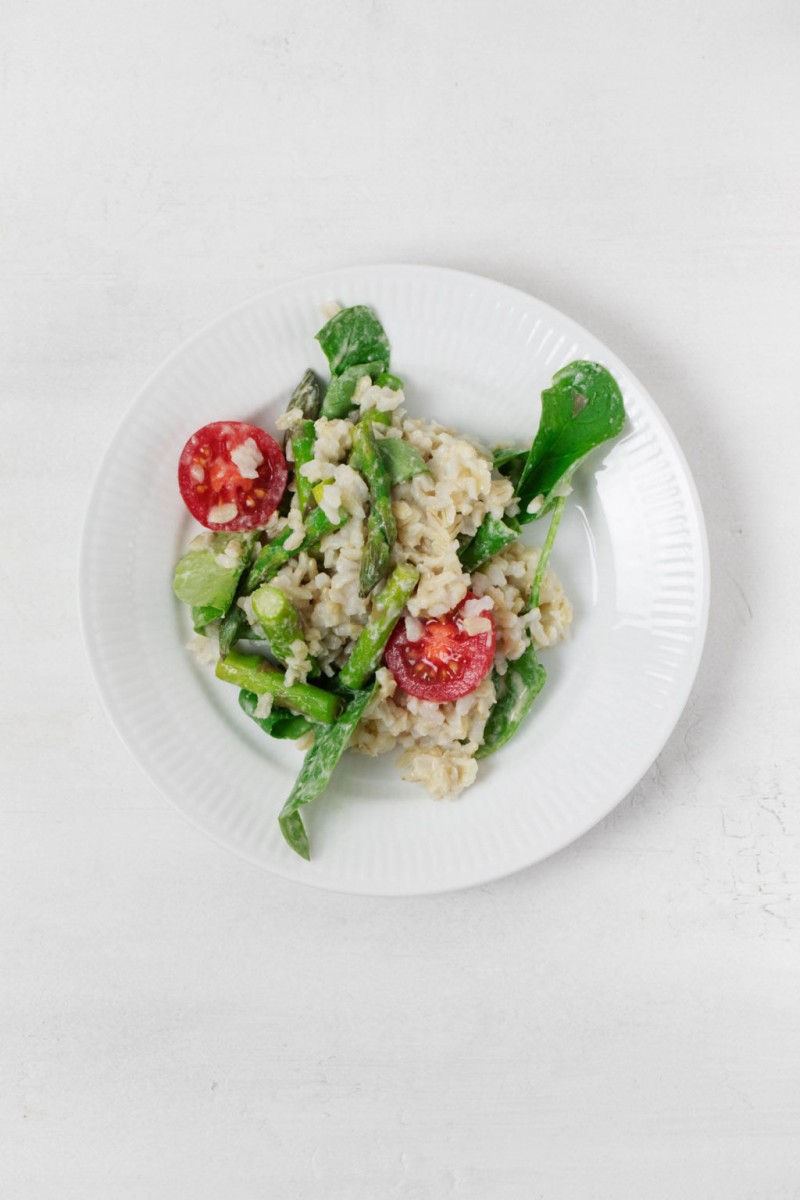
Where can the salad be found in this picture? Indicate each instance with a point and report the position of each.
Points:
(361, 577)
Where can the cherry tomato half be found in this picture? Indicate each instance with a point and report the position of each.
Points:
(232, 475)
(446, 662)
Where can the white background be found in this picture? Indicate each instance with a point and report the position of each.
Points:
(621, 1021)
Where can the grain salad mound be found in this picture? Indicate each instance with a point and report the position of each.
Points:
(365, 585)
(433, 511)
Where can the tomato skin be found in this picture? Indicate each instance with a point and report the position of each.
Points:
(209, 478)
(446, 663)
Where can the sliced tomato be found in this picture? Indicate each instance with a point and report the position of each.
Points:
(446, 662)
(232, 475)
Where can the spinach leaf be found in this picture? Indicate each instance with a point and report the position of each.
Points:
(516, 691)
(400, 459)
(339, 396)
(580, 410)
(508, 460)
(391, 381)
(203, 615)
(202, 581)
(353, 336)
(493, 536)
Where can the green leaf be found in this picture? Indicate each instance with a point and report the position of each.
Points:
(339, 396)
(580, 410)
(516, 691)
(401, 460)
(203, 615)
(510, 463)
(353, 336)
(391, 381)
(493, 536)
(201, 581)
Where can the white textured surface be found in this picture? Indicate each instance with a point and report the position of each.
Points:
(475, 355)
(619, 1021)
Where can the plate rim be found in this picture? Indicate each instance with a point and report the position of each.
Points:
(702, 566)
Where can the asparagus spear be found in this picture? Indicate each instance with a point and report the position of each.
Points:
(231, 628)
(266, 566)
(375, 556)
(274, 555)
(516, 692)
(307, 396)
(303, 439)
(280, 621)
(329, 744)
(254, 674)
(400, 459)
(279, 723)
(386, 609)
(381, 526)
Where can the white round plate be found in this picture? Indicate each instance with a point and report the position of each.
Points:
(631, 553)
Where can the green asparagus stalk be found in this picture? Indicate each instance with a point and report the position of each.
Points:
(307, 396)
(254, 674)
(492, 537)
(303, 438)
(330, 743)
(280, 621)
(266, 566)
(275, 555)
(516, 692)
(375, 557)
(400, 459)
(381, 525)
(232, 626)
(279, 723)
(368, 461)
(386, 609)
